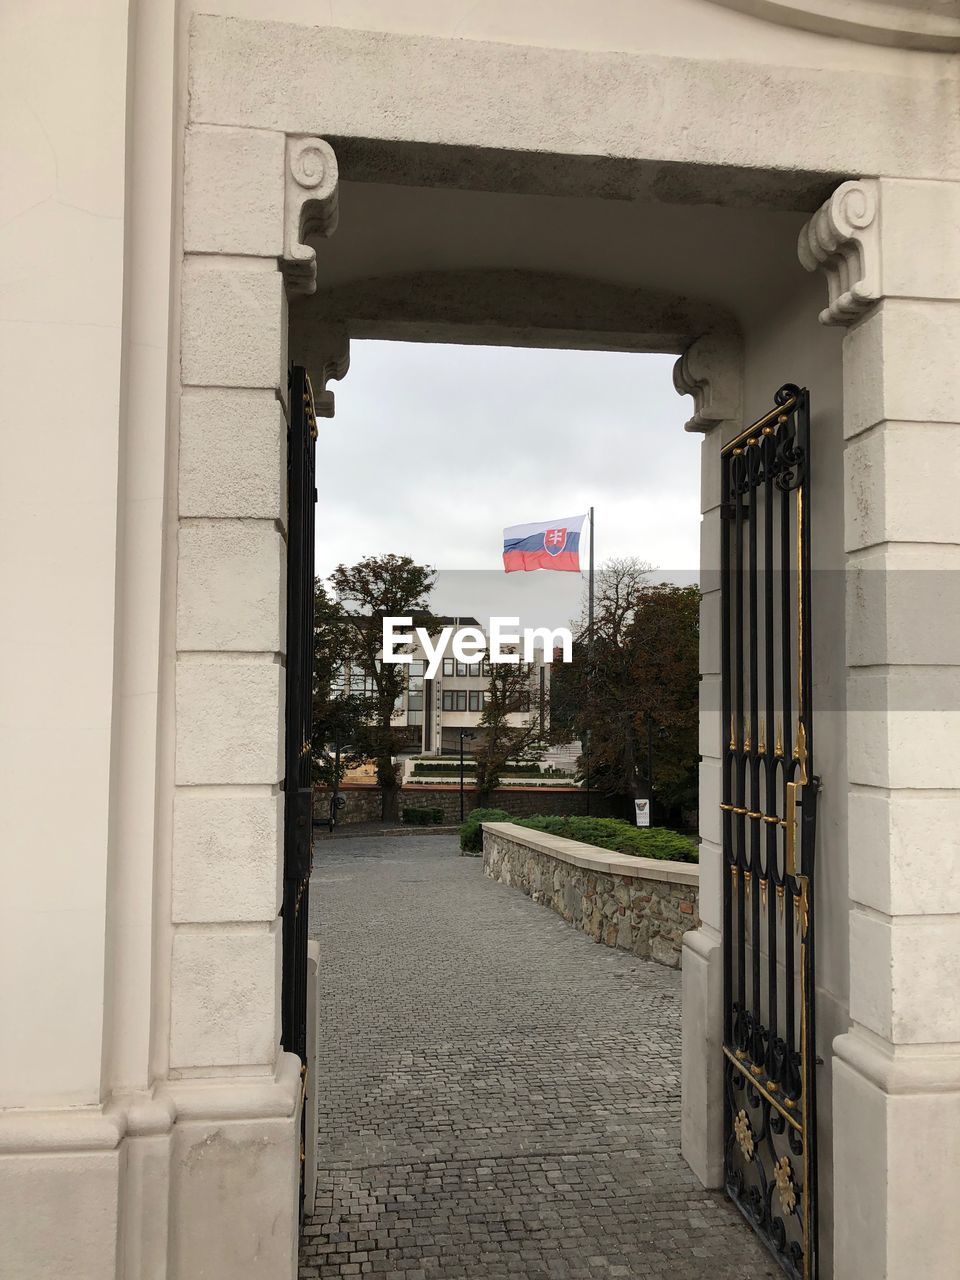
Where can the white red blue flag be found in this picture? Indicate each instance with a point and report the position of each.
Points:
(554, 544)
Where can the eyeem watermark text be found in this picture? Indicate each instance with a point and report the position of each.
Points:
(469, 644)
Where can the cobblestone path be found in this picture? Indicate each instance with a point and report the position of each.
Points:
(499, 1095)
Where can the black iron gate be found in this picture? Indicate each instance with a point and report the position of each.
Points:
(298, 817)
(769, 790)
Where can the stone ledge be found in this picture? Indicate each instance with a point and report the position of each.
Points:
(641, 905)
(594, 859)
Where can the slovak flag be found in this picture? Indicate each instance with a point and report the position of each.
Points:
(554, 544)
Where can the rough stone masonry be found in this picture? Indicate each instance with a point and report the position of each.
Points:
(637, 904)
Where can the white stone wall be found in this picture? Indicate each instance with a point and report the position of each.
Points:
(62, 154)
(888, 250)
(61, 253)
(138, 980)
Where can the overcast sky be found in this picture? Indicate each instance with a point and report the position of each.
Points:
(434, 449)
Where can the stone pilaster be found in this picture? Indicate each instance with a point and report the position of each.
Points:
(891, 252)
(250, 197)
(711, 370)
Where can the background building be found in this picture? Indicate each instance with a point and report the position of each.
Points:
(434, 712)
(455, 699)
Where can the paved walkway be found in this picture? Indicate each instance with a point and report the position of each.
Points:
(499, 1095)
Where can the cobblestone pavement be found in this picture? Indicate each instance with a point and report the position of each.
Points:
(499, 1095)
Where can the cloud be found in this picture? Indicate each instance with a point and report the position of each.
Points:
(434, 449)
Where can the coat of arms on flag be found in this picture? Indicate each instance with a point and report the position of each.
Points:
(554, 544)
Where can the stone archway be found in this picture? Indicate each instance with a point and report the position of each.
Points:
(244, 213)
(231, 548)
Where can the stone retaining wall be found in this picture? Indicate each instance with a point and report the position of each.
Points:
(363, 802)
(641, 905)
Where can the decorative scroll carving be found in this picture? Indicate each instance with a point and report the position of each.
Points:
(710, 370)
(310, 208)
(843, 237)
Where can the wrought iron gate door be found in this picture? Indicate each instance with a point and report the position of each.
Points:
(768, 813)
(298, 817)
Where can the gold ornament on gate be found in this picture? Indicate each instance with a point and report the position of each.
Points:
(744, 1135)
(786, 1191)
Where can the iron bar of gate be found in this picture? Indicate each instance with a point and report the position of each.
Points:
(752, 761)
(741, 1030)
(768, 746)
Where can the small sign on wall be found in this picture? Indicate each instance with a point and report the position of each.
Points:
(643, 812)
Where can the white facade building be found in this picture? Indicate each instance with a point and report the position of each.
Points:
(635, 177)
(453, 701)
(434, 710)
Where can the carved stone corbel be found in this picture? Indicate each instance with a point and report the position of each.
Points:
(324, 351)
(843, 237)
(332, 364)
(310, 208)
(711, 370)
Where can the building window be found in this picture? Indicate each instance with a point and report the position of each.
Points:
(448, 666)
(485, 668)
(461, 668)
(476, 699)
(447, 703)
(461, 696)
(474, 668)
(415, 692)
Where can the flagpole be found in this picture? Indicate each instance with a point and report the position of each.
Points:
(589, 655)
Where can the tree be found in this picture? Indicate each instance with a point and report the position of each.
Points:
(340, 716)
(619, 584)
(508, 694)
(378, 587)
(639, 708)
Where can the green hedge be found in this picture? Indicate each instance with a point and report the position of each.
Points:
(422, 817)
(471, 835)
(604, 833)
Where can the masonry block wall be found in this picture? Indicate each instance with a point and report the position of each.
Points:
(230, 603)
(363, 803)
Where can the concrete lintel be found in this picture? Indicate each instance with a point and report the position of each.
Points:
(511, 307)
(685, 119)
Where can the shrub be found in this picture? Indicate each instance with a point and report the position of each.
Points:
(422, 817)
(471, 834)
(622, 837)
(604, 833)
